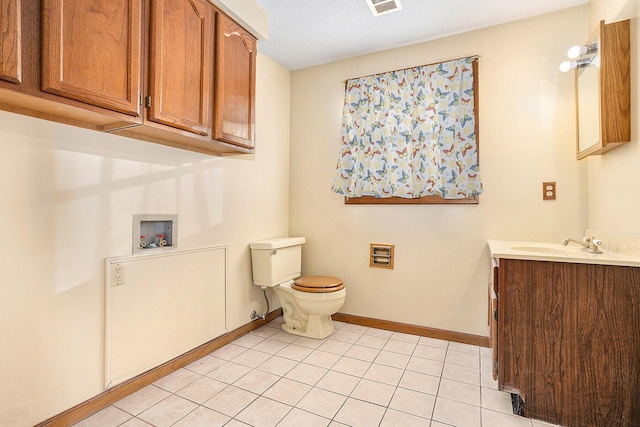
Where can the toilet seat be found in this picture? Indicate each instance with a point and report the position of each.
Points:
(318, 284)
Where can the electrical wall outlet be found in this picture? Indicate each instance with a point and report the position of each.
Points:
(117, 274)
(548, 191)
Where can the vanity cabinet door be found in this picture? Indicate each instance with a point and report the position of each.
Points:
(180, 64)
(10, 44)
(569, 341)
(92, 52)
(234, 107)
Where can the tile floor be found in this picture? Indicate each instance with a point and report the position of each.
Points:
(359, 376)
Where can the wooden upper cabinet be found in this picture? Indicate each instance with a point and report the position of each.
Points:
(234, 105)
(10, 44)
(180, 64)
(92, 52)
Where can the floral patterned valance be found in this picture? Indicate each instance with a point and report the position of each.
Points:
(410, 133)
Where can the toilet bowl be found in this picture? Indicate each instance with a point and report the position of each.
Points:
(307, 302)
(308, 312)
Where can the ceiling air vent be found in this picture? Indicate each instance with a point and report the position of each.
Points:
(382, 7)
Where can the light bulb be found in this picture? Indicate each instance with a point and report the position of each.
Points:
(576, 51)
(566, 66)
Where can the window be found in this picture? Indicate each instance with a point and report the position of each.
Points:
(411, 136)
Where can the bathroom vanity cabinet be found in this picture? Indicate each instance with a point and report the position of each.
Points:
(136, 68)
(567, 340)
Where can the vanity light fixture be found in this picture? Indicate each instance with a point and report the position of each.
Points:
(580, 56)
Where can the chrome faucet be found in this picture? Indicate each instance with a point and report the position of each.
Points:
(591, 244)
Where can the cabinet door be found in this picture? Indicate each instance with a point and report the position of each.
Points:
(234, 111)
(92, 52)
(10, 45)
(180, 64)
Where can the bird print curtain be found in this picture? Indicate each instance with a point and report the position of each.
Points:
(410, 133)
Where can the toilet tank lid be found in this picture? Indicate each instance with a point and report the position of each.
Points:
(280, 242)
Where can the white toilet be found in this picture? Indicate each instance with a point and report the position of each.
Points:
(307, 302)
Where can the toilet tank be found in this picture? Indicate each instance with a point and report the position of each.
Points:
(275, 261)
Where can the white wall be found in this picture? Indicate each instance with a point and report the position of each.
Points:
(526, 137)
(68, 197)
(614, 178)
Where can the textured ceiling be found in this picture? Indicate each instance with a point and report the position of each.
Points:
(305, 33)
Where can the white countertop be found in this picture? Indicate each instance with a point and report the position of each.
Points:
(556, 252)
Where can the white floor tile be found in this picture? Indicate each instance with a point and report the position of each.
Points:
(346, 336)
(287, 391)
(257, 381)
(323, 359)
(338, 382)
(263, 412)
(295, 352)
(420, 382)
(497, 419)
(307, 374)
(464, 359)
(322, 402)
(333, 346)
(495, 400)
(134, 422)
(372, 341)
(425, 366)
(456, 413)
(379, 333)
(395, 360)
(461, 373)
(464, 348)
(229, 372)
(373, 392)
(363, 353)
(248, 340)
(393, 418)
(299, 418)
(168, 411)
(410, 338)
(142, 399)
(270, 346)
(384, 374)
(428, 352)
(434, 342)
(401, 347)
(108, 417)
(231, 401)
(357, 413)
(177, 380)
(201, 390)
(206, 364)
(251, 358)
(413, 402)
(203, 417)
(462, 392)
(229, 351)
(358, 377)
(354, 328)
(278, 365)
(348, 365)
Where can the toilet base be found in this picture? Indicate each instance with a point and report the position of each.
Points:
(318, 327)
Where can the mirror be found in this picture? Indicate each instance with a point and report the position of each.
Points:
(588, 100)
(603, 91)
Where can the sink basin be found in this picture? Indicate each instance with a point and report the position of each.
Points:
(556, 251)
(548, 249)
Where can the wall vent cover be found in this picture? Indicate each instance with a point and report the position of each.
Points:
(382, 7)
